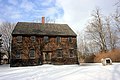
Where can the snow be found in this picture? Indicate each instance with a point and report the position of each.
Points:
(5, 57)
(87, 71)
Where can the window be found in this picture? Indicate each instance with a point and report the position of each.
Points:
(18, 54)
(39, 47)
(75, 46)
(19, 38)
(59, 53)
(58, 39)
(46, 38)
(32, 53)
(71, 52)
(70, 39)
(33, 38)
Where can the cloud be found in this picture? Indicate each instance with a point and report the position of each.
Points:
(75, 13)
(13, 2)
(78, 12)
(26, 10)
(10, 13)
(27, 5)
(47, 8)
(46, 2)
(54, 12)
(16, 16)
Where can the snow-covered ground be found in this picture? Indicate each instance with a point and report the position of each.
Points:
(87, 71)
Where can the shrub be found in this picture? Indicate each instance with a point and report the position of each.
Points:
(114, 55)
(90, 58)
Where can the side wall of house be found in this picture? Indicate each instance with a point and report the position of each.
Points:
(52, 46)
(65, 46)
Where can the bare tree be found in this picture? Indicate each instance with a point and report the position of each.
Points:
(112, 37)
(117, 3)
(6, 30)
(82, 45)
(116, 17)
(86, 46)
(96, 30)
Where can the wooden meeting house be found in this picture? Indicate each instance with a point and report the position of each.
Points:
(43, 43)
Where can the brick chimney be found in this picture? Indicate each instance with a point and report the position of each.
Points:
(43, 20)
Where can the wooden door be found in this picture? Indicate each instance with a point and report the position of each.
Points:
(47, 57)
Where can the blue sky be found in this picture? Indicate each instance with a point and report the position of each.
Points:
(75, 13)
(29, 10)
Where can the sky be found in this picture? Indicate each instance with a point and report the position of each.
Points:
(75, 13)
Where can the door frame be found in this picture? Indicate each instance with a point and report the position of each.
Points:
(49, 55)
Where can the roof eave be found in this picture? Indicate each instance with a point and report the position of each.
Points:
(41, 35)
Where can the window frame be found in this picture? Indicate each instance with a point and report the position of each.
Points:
(18, 52)
(60, 53)
(33, 38)
(33, 53)
(73, 53)
(19, 38)
(70, 39)
(46, 39)
(58, 39)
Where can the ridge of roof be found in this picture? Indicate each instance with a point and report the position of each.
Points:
(31, 28)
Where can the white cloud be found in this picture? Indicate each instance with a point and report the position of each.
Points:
(27, 5)
(13, 2)
(16, 16)
(15, 10)
(45, 12)
(78, 12)
(75, 13)
(51, 11)
(11, 13)
(46, 2)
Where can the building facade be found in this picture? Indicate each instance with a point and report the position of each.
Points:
(43, 43)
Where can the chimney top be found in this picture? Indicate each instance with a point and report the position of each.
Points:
(43, 20)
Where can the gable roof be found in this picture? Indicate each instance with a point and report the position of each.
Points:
(28, 28)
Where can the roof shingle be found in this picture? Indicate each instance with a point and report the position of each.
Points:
(28, 28)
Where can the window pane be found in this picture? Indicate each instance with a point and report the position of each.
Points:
(70, 39)
(71, 53)
(46, 39)
(59, 53)
(33, 38)
(58, 39)
(19, 38)
(32, 53)
(39, 47)
(18, 54)
(47, 56)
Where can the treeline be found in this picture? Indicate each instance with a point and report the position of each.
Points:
(101, 35)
